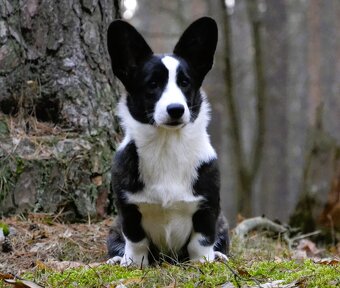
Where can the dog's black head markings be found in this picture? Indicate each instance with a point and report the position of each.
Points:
(165, 176)
(163, 90)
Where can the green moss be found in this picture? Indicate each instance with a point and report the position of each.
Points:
(86, 277)
(62, 180)
(5, 228)
(4, 131)
(7, 178)
(20, 166)
(306, 273)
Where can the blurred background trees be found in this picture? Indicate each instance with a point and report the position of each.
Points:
(274, 91)
(275, 94)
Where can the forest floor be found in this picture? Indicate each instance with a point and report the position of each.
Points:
(53, 254)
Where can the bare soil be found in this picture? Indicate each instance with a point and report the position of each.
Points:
(40, 238)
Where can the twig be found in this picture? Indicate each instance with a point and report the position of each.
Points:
(257, 223)
(290, 241)
(306, 235)
(236, 275)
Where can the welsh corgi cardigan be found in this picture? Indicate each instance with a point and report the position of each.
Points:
(165, 176)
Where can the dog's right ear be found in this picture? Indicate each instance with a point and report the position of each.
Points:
(127, 49)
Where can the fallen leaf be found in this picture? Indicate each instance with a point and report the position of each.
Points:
(271, 284)
(228, 285)
(240, 218)
(41, 265)
(60, 266)
(299, 254)
(21, 283)
(137, 280)
(309, 247)
(67, 234)
(63, 265)
(2, 236)
(243, 272)
(172, 285)
(278, 259)
(278, 284)
(6, 276)
(328, 261)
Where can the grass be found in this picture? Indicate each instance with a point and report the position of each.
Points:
(254, 262)
(303, 274)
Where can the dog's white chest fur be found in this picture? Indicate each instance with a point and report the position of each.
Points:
(168, 169)
(170, 227)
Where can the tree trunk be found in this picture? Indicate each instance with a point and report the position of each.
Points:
(246, 169)
(57, 103)
(319, 203)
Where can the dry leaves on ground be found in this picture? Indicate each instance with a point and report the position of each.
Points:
(35, 240)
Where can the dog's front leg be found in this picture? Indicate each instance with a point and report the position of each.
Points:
(136, 248)
(201, 244)
(198, 251)
(204, 220)
(136, 244)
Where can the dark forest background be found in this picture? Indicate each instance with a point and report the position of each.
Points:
(274, 90)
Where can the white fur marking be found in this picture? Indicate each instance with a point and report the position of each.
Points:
(198, 252)
(220, 256)
(168, 228)
(135, 253)
(172, 94)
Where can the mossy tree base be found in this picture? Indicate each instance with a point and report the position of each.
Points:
(67, 173)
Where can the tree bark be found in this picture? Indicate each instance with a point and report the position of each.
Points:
(57, 104)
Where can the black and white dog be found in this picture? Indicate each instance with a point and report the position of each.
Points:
(165, 175)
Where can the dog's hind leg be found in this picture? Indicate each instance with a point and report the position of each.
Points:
(222, 241)
(115, 242)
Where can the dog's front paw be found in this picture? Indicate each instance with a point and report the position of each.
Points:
(198, 251)
(221, 257)
(114, 260)
(211, 256)
(129, 260)
(136, 253)
(208, 256)
(134, 260)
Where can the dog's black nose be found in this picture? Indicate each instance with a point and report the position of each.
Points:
(175, 110)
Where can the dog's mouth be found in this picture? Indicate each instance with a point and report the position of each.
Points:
(173, 124)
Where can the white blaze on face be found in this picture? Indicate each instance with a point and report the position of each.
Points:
(172, 94)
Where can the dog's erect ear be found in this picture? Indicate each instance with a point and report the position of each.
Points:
(197, 45)
(127, 49)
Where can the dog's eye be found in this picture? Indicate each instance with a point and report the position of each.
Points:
(152, 85)
(183, 83)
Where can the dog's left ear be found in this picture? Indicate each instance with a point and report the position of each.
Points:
(197, 45)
